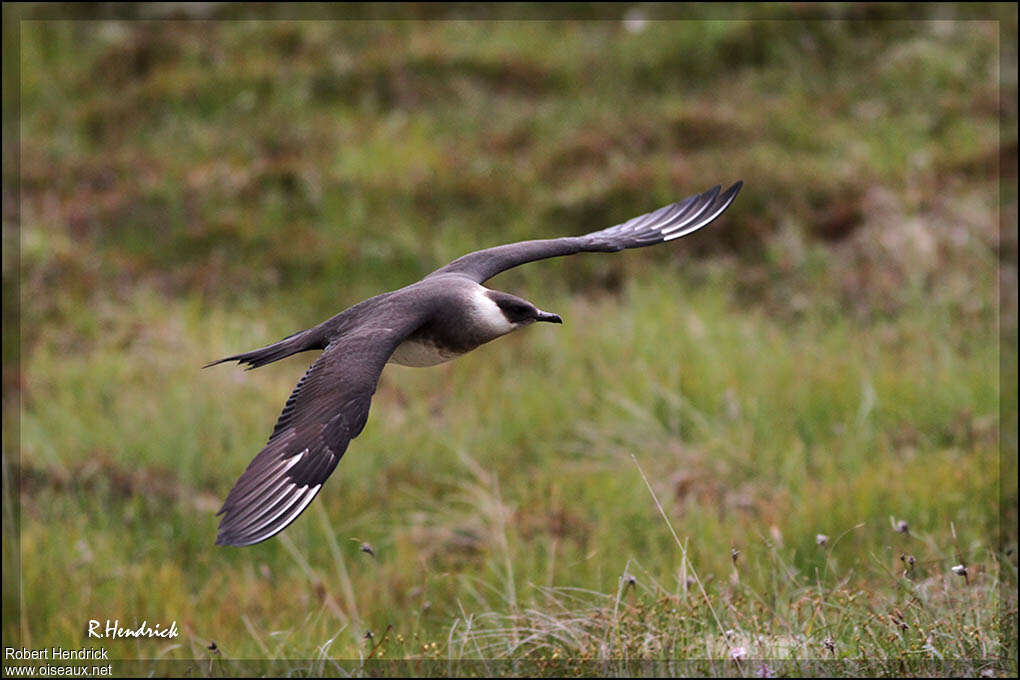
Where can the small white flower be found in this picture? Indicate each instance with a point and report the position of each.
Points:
(960, 570)
(822, 540)
(738, 653)
(635, 21)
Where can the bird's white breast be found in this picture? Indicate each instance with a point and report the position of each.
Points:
(419, 353)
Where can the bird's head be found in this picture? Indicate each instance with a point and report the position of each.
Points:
(519, 312)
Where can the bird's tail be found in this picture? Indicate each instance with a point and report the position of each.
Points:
(299, 342)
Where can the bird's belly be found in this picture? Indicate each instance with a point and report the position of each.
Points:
(421, 353)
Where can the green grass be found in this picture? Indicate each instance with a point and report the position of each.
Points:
(823, 361)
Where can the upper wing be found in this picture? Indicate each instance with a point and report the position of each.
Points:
(326, 410)
(665, 224)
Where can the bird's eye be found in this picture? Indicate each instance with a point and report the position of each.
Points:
(516, 311)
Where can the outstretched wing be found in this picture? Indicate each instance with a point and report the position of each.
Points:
(665, 224)
(326, 410)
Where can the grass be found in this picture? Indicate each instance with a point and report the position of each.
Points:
(704, 468)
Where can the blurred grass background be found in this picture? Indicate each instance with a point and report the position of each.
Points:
(825, 360)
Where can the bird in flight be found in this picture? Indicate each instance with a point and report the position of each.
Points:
(446, 314)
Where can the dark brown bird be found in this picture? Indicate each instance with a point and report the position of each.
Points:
(446, 314)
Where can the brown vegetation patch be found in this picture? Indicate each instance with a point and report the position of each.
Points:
(101, 474)
(421, 80)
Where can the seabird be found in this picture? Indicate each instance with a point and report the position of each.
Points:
(447, 313)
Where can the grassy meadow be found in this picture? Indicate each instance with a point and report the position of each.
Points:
(764, 445)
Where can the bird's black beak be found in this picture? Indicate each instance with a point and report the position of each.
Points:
(546, 316)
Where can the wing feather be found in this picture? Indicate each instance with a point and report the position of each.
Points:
(327, 409)
(664, 224)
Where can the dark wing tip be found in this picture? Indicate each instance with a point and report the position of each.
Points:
(732, 192)
(255, 521)
(707, 207)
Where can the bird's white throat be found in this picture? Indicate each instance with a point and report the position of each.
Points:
(487, 314)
